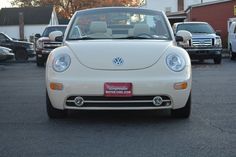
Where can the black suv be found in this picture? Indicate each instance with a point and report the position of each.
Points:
(22, 50)
(44, 45)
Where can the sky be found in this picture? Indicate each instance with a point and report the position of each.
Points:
(5, 3)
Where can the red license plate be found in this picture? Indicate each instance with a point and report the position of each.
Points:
(117, 89)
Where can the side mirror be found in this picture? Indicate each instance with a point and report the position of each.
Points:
(179, 39)
(59, 39)
(185, 35)
(37, 35)
(55, 34)
(218, 32)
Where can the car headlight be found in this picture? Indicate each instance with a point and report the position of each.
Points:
(218, 42)
(175, 62)
(5, 52)
(61, 62)
(31, 47)
(39, 44)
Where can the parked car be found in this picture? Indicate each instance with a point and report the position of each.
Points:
(6, 54)
(44, 45)
(232, 40)
(22, 49)
(205, 43)
(122, 59)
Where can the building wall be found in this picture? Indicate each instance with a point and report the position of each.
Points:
(161, 5)
(217, 15)
(29, 30)
(173, 4)
(188, 3)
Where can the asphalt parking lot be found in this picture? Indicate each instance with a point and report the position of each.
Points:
(25, 129)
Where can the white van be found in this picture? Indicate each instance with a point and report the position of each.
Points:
(232, 40)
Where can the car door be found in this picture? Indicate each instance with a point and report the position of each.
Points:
(233, 36)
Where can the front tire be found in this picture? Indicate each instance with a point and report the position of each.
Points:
(217, 59)
(183, 112)
(52, 112)
(39, 61)
(233, 56)
(231, 53)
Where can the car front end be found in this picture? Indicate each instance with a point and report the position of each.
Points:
(123, 66)
(6, 54)
(44, 45)
(205, 47)
(205, 44)
(146, 83)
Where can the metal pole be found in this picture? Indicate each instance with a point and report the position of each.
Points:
(21, 25)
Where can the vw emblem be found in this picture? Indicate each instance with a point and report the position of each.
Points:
(118, 61)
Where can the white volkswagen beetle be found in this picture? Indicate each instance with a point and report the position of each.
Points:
(119, 59)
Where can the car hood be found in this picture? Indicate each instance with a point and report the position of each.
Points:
(5, 48)
(202, 35)
(22, 42)
(118, 55)
(44, 39)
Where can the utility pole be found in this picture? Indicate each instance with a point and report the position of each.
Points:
(21, 25)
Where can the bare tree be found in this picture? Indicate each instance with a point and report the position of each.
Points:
(66, 8)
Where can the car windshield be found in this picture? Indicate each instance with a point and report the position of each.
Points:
(196, 28)
(48, 30)
(118, 23)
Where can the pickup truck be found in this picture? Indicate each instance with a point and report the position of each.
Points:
(232, 40)
(205, 43)
(44, 45)
(22, 50)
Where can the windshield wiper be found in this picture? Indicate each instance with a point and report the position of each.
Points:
(128, 37)
(135, 37)
(83, 38)
(88, 38)
(201, 32)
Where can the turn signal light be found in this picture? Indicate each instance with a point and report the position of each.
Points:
(180, 85)
(56, 86)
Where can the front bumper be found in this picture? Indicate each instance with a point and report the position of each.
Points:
(43, 53)
(204, 53)
(144, 90)
(7, 57)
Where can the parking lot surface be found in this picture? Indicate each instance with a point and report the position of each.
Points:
(25, 129)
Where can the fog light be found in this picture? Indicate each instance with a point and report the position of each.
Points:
(56, 86)
(157, 101)
(180, 85)
(79, 101)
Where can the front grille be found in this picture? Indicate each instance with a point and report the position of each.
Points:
(202, 42)
(135, 101)
(51, 45)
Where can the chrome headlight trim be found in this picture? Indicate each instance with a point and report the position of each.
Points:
(175, 62)
(218, 42)
(61, 62)
(39, 44)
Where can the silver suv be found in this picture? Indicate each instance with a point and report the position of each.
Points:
(205, 43)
